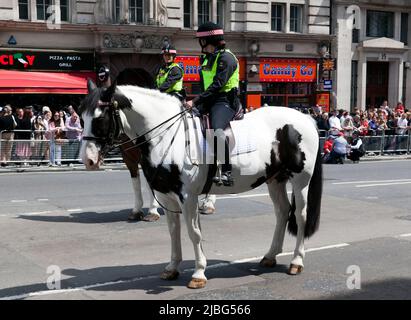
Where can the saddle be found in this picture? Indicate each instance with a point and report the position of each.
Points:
(206, 124)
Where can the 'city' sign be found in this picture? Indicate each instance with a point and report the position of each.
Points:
(57, 61)
(288, 70)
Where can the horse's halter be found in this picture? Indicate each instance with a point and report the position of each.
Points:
(114, 130)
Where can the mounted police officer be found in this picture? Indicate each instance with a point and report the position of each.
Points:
(170, 75)
(220, 80)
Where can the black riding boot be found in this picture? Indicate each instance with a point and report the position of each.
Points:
(226, 178)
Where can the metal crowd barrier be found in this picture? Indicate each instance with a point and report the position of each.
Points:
(384, 142)
(39, 150)
(64, 151)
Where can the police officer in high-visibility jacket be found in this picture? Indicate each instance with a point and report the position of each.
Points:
(220, 80)
(170, 75)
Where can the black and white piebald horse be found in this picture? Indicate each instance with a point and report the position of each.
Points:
(286, 149)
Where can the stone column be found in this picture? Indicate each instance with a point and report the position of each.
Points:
(362, 81)
(214, 11)
(395, 84)
(195, 14)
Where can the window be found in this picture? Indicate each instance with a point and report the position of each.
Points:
(187, 13)
(23, 9)
(380, 24)
(136, 10)
(296, 18)
(355, 35)
(41, 6)
(404, 28)
(203, 11)
(64, 9)
(220, 13)
(116, 11)
(277, 17)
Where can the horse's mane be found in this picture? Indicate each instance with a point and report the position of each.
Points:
(124, 95)
(147, 93)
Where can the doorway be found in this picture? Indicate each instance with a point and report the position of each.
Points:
(377, 83)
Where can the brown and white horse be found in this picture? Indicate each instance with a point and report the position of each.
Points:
(286, 150)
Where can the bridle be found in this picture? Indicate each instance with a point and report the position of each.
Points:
(115, 128)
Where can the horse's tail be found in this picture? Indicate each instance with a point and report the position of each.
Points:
(313, 202)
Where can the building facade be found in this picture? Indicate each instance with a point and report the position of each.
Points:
(279, 43)
(373, 57)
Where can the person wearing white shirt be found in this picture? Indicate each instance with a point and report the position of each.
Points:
(334, 121)
(402, 124)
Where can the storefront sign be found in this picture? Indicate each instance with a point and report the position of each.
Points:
(191, 67)
(57, 61)
(323, 100)
(288, 70)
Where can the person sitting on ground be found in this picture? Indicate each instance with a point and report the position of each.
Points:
(328, 146)
(357, 148)
(339, 150)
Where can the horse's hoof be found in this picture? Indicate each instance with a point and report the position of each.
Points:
(136, 216)
(268, 263)
(294, 269)
(197, 283)
(169, 275)
(151, 217)
(207, 210)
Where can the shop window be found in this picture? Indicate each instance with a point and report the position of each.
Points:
(220, 13)
(64, 9)
(116, 11)
(203, 11)
(23, 9)
(136, 9)
(296, 18)
(187, 13)
(277, 17)
(41, 7)
(404, 27)
(380, 24)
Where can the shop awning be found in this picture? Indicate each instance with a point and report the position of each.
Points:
(44, 82)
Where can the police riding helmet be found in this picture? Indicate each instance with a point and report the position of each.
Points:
(168, 49)
(210, 33)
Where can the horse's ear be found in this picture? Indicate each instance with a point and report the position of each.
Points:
(91, 85)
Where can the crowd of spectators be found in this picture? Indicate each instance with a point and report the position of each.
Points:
(38, 135)
(370, 122)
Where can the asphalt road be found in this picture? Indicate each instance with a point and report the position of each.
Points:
(75, 223)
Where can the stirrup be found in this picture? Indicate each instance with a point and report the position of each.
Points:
(223, 178)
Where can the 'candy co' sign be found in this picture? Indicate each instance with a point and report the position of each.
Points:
(288, 70)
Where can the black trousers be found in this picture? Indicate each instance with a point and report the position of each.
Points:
(220, 116)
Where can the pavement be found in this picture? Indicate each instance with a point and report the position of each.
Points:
(122, 166)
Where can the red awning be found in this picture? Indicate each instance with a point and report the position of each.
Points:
(44, 82)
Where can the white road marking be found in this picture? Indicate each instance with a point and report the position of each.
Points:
(42, 200)
(382, 184)
(18, 201)
(370, 181)
(96, 285)
(74, 210)
(404, 235)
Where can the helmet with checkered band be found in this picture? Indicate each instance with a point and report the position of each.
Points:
(210, 33)
(168, 49)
